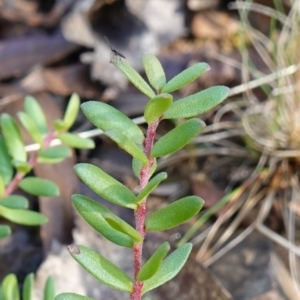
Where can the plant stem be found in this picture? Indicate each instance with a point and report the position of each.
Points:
(140, 213)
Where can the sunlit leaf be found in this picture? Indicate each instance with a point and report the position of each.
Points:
(21, 166)
(71, 296)
(75, 141)
(72, 111)
(27, 292)
(49, 291)
(102, 269)
(198, 103)
(39, 187)
(10, 287)
(185, 77)
(177, 138)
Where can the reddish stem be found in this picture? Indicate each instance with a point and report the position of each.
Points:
(140, 213)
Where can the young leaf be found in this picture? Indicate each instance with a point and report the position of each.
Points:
(35, 112)
(127, 144)
(14, 201)
(6, 170)
(99, 217)
(72, 111)
(134, 77)
(185, 77)
(57, 152)
(157, 106)
(107, 117)
(23, 217)
(198, 103)
(10, 287)
(137, 166)
(31, 127)
(152, 184)
(169, 268)
(22, 167)
(177, 138)
(75, 141)
(49, 291)
(105, 185)
(154, 71)
(27, 292)
(39, 187)
(174, 214)
(4, 231)
(153, 264)
(71, 296)
(12, 138)
(102, 269)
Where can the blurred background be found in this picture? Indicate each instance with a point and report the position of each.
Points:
(245, 165)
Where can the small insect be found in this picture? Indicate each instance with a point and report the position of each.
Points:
(114, 52)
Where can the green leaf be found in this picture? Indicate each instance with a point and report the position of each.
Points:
(49, 291)
(2, 186)
(35, 112)
(57, 152)
(22, 216)
(106, 117)
(6, 170)
(71, 296)
(12, 138)
(147, 298)
(156, 107)
(134, 77)
(14, 201)
(105, 222)
(174, 214)
(75, 141)
(39, 187)
(154, 71)
(137, 166)
(105, 185)
(27, 293)
(185, 77)
(102, 269)
(22, 167)
(10, 287)
(154, 262)
(198, 103)
(177, 138)
(169, 268)
(31, 127)
(4, 232)
(127, 144)
(152, 184)
(72, 111)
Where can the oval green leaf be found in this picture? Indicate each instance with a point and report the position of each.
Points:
(174, 214)
(198, 103)
(154, 71)
(106, 117)
(22, 216)
(4, 231)
(10, 287)
(14, 201)
(71, 296)
(102, 269)
(169, 268)
(2, 186)
(75, 141)
(34, 110)
(154, 262)
(6, 169)
(22, 167)
(49, 291)
(177, 138)
(105, 185)
(57, 152)
(185, 77)
(152, 184)
(134, 77)
(39, 187)
(106, 222)
(12, 137)
(156, 107)
(27, 292)
(127, 144)
(31, 127)
(72, 111)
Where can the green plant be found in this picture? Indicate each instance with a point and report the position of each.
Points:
(9, 288)
(160, 268)
(15, 163)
